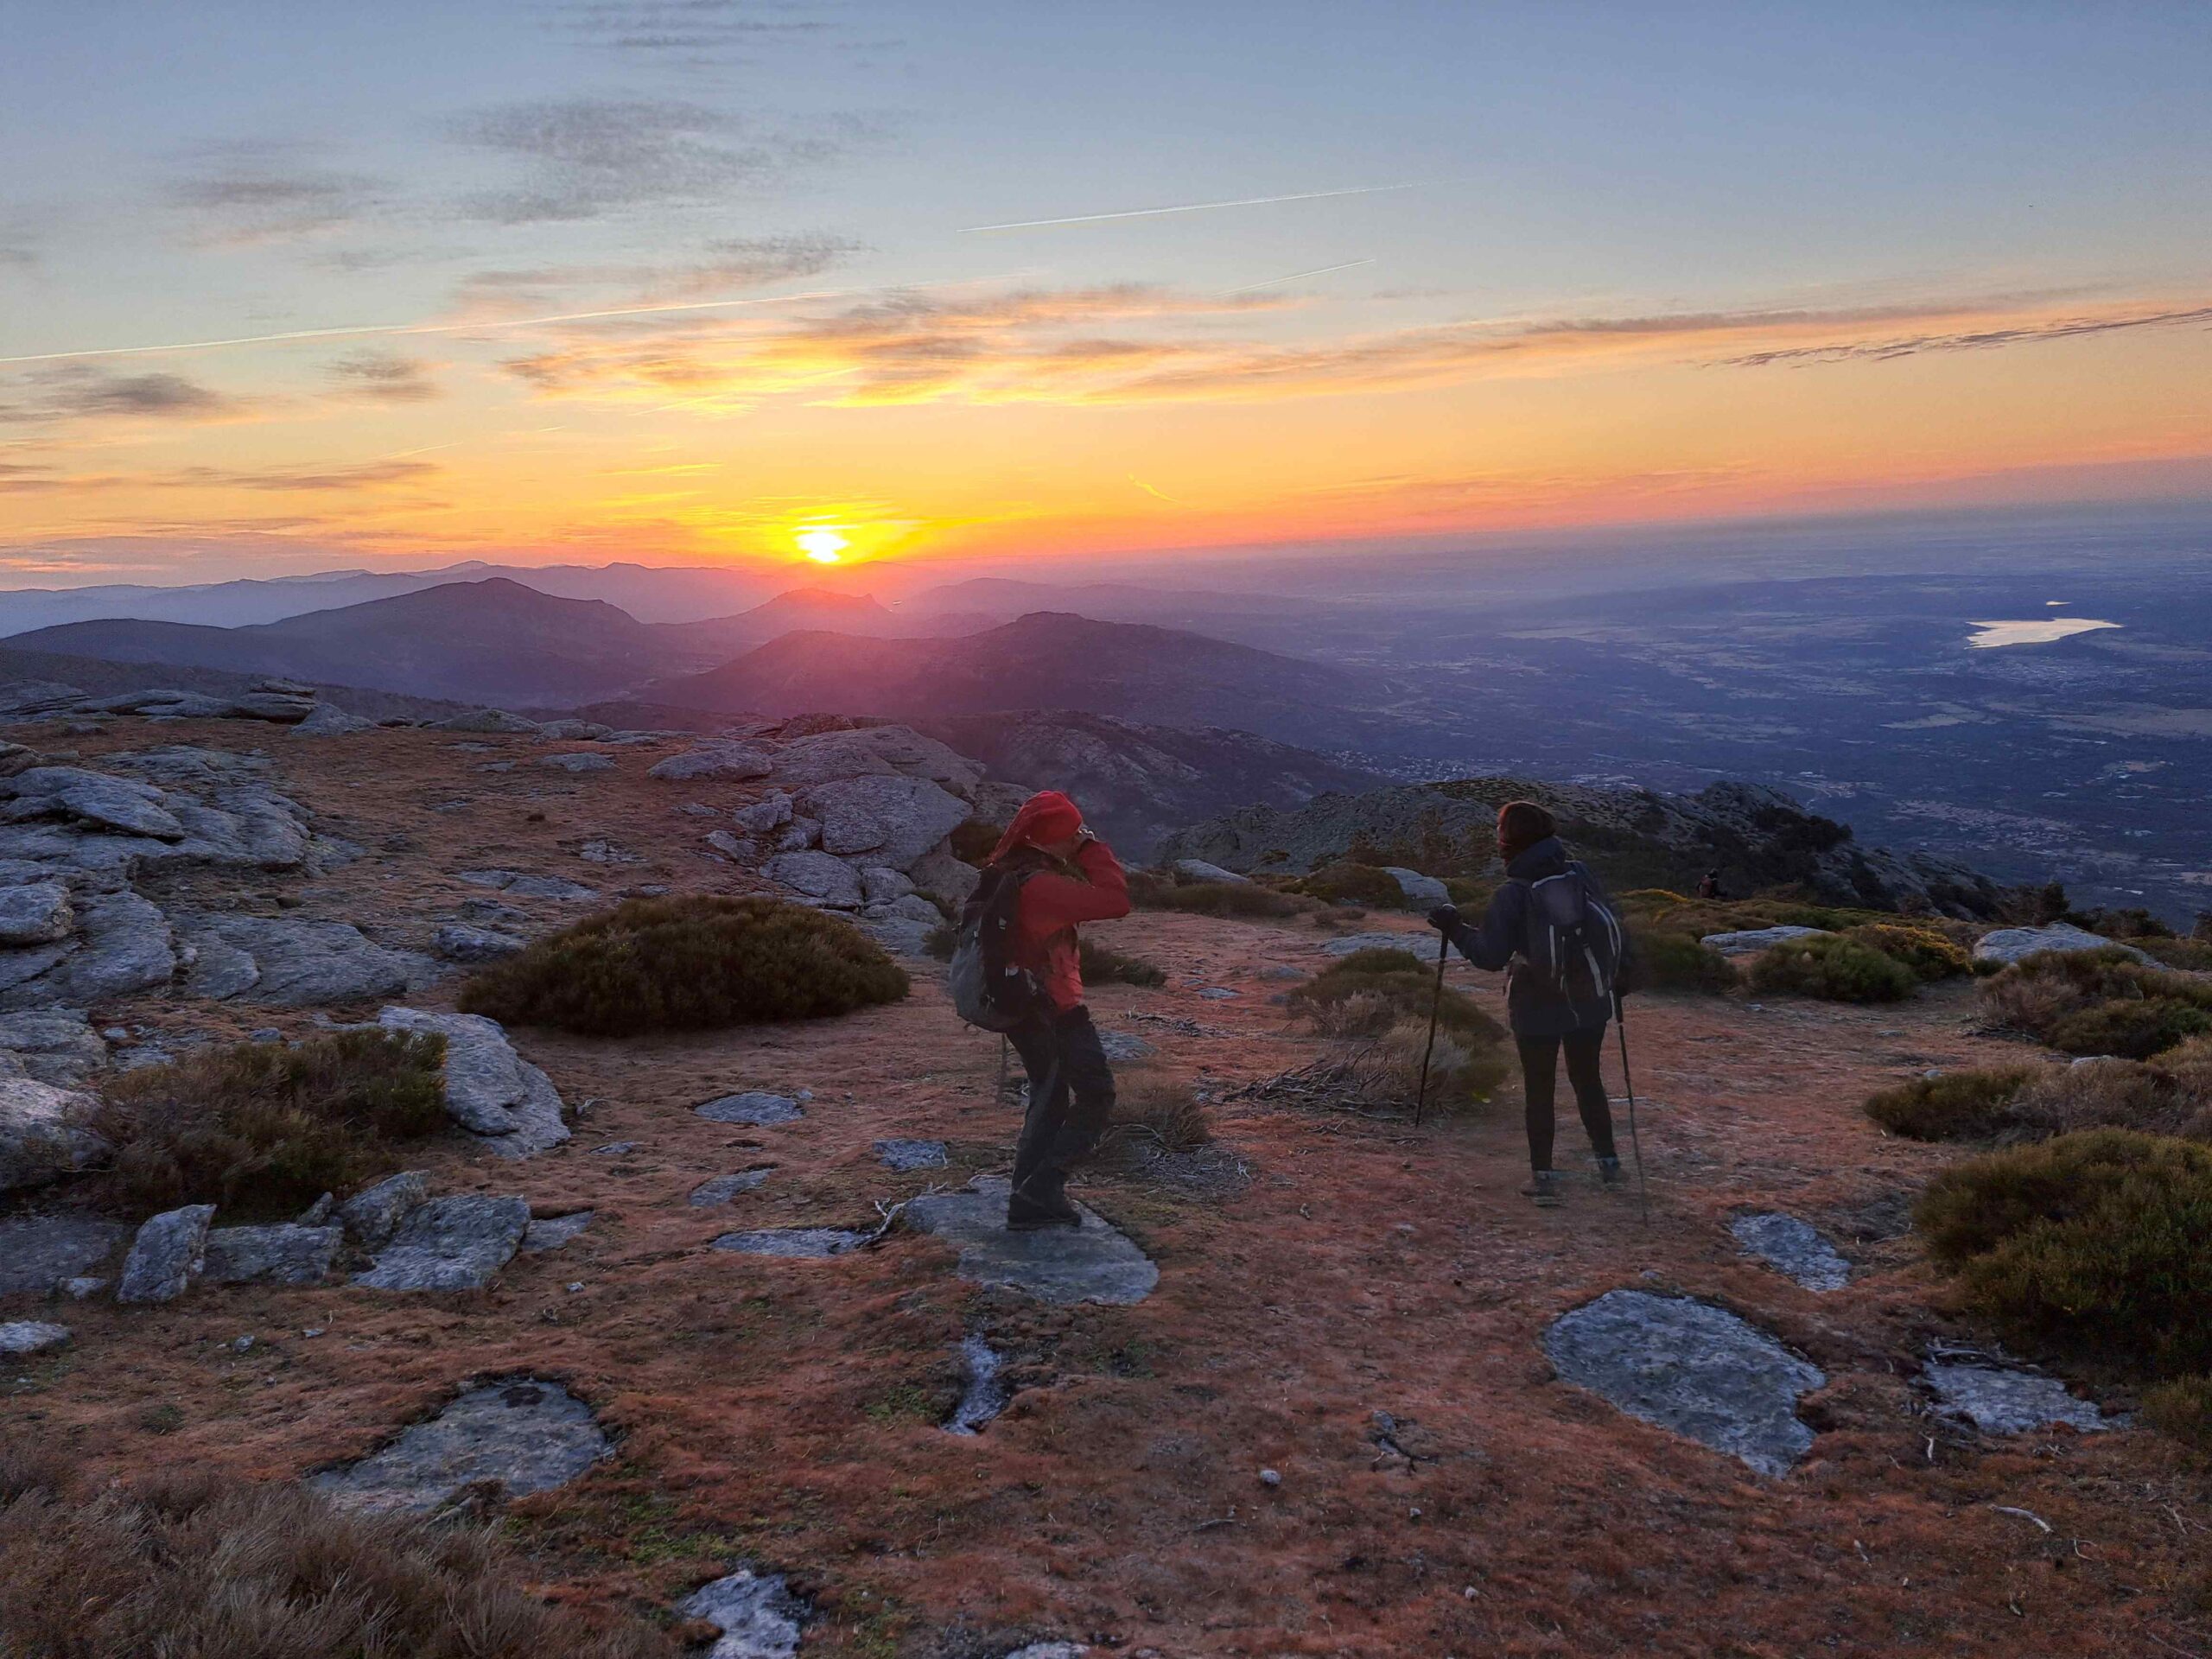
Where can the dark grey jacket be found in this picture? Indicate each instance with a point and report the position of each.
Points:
(1532, 1009)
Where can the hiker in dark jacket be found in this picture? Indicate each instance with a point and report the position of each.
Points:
(1068, 875)
(1545, 1018)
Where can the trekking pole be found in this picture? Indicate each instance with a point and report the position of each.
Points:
(1635, 1144)
(1435, 1007)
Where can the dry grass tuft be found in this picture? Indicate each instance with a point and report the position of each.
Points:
(688, 963)
(1160, 1112)
(261, 1129)
(193, 1566)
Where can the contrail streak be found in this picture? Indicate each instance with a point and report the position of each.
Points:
(387, 328)
(1295, 276)
(1189, 207)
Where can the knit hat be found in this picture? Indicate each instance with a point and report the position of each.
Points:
(1521, 825)
(1047, 816)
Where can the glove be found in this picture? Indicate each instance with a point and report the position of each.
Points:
(1444, 917)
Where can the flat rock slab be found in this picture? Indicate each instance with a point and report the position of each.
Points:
(553, 1232)
(451, 1243)
(1094, 1263)
(371, 1216)
(491, 1092)
(21, 1338)
(1422, 944)
(984, 1395)
(799, 1243)
(286, 1254)
(524, 1436)
(722, 1188)
(2011, 944)
(1691, 1368)
(38, 1253)
(1750, 942)
(756, 1613)
(754, 1106)
(166, 1255)
(912, 1154)
(1999, 1402)
(1791, 1247)
(41, 1133)
(285, 961)
(1124, 1045)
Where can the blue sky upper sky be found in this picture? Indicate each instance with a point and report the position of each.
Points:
(1605, 260)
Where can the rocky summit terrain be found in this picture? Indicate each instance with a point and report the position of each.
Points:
(719, 1326)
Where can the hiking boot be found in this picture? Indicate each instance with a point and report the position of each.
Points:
(1609, 1173)
(1041, 1202)
(1544, 1186)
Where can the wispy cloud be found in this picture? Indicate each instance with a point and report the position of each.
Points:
(1980, 339)
(687, 32)
(284, 480)
(82, 392)
(264, 192)
(582, 157)
(1186, 207)
(720, 267)
(385, 377)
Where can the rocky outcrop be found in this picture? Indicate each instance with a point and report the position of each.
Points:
(286, 961)
(1754, 836)
(491, 1092)
(519, 1436)
(2009, 944)
(167, 1254)
(451, 1243)
(43, 1133)
(733, 761)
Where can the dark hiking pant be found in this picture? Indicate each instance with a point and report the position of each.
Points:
(1539, 1075)
(1070, 1095)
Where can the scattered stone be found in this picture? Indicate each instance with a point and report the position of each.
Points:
(772, 812)
(1125, 1046)
(122, 946)
(21, 1338)
(524, 1436)
(1690, 1367)
(1793, 1248)
(1750, 942)
(1271, 1478)
(736, 761)
(43, 1133)
(279, 707)
(699, 810)
(371, 1216)
(1276, 973)
(1418, 889)
(2000, 1402)
(37, 913)
(737, 849)
(895, 819)
(816, 876)
(456, 1243)
(1216, 993)
(722, 1188)
(757, 1614)
(2011, 944)
(912, 1154)
(799, 1243)
(491, 1091)
(754, 1106)
(1196, 869)
(614, 1149)
(297, 963)
(329, 721)
(56, 1045)
(166, 1255)
(457, 942)
(602, 851)
(1419, 943)
(984, 1396)
(41, 1253)
(579, 761)
(483, 720)
(1049, 1651)
(573, 731)
(1094, 1262)
(490, 912)
(552, 887)
(553, 1232)
(288, 1254)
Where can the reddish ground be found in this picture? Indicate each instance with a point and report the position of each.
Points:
(785, 1412)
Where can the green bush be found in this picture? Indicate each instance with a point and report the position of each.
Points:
(2134, 1030)
(1949, 1106)
(2089, 1245)
(689, 963)
(1103, 965)
(1470, 894)
(1369, 991)
(2040, 994)
(1834, 968)
(262, 1130)
(1353, 884)
(1929, 955)
(2194, 956)
(1245, 901)
(2183, 1408)
(1668, 961)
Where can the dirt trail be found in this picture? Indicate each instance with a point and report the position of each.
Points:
(788, 1412)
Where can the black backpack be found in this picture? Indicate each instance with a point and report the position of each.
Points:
(989, 991)
(1574, 940)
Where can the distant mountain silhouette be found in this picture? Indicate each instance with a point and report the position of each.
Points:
(1048, 660)
(719, 639)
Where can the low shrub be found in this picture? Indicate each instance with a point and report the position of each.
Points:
(1369, 992)
(1243, 900)
(2192, 956)
(2132, 1029)
(1968, 1105)
(1103, 965)
(262, 1130)
(2089, 1245)
(2183, 1408)
(1667, 961)
(1353, 884)
(188, 1563)
(1160, 1112)
(1834, 968)
(1929, 955)
(1468, 894)
(941, 941)
(1461, 1070)
(689, 963)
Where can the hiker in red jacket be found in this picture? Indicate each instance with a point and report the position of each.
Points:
(1067, 876)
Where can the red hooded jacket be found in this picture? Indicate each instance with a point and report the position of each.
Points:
(1050, 904)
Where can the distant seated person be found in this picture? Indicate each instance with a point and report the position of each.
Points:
(1708, 886)
(1067, 875)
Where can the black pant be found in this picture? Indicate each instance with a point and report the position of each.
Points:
(1539, 1073)
(1066, 1064)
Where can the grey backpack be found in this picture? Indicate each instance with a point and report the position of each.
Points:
(1575, 944)
(989, 991)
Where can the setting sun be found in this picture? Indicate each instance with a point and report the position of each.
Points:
(823, 546)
